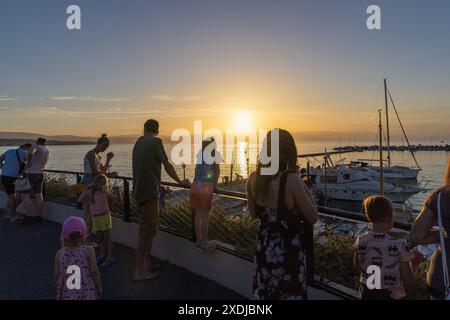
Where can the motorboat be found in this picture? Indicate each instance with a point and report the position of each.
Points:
(344, 183)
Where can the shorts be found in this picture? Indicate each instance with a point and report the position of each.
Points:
(200, 196)
(374, 294)
(36, 181)
(8, 184)
(149, 212)
(87, 178)
(101, 223)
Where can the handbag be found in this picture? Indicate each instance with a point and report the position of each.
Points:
(22, 184)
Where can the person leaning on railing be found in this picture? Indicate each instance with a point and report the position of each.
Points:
(207, 174)
(423, 233)
(281, 201)
(148, 157)
(13, 164)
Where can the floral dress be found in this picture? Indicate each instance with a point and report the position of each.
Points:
(280, 264)
(69, 257)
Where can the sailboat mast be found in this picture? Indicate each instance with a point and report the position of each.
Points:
(387, 124)
(380, 129)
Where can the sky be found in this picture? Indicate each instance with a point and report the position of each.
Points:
(307, 66)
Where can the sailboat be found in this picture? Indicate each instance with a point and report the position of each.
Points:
(398, 172)
(341, 182)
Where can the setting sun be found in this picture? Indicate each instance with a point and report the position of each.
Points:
(242, 121)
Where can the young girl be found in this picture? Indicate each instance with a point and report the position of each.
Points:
(98, 195)
(398, 266)
(200, 197)
(74, 253)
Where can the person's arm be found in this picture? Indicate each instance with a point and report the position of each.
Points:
(250, 202)
(2, 159)
(171, 171)
(104, 167)
(407, 274)
(56, 267)
(356, 263)
(216, 175)
(162, 156)
(31, 154)
(94, 270)
(303, 202)
(421, 231)
(115, 194)
(82, 198)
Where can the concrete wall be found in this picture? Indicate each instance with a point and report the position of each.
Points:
(228, 270)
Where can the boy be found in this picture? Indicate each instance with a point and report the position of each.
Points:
(377, 247)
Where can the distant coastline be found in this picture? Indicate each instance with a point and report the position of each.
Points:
(18, 142)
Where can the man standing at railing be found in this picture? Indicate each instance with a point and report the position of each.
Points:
(148, 156)
(37, 159)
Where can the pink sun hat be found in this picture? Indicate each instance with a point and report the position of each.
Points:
(73, 224)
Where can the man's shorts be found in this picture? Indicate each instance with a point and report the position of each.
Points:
(149, 212)
(8, 184)
(36, 181)
(101, 223)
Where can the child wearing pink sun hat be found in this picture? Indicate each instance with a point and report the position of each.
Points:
(76, 271)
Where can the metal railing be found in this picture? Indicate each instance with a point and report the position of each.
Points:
(234, 229)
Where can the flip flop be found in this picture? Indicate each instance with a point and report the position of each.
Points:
(147, 276)
(107, 263)
(155, 266)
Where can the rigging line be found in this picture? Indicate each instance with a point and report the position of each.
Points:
(404, 133)
(373, 151)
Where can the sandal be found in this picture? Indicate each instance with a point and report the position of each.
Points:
(107, 263)
(147, 276)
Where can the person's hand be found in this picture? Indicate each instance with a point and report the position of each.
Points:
(185, 183)
(418, 258)
(115, 191)
(109, 155)
(113, 174)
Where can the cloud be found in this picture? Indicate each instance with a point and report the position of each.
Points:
(7, 98)
(167, 98)
(96, 99)
(232, 99)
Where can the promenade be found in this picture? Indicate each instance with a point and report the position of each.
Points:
(27, 256)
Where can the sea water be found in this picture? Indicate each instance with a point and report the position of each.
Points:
(433, 163)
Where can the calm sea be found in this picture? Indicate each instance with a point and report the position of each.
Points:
(433, 163)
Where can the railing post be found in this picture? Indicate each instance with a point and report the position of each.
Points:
(309, 235)
(308, 177)
(126, 201)
(44, 191)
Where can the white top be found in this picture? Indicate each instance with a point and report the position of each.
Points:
(87, 163)
(39, 159)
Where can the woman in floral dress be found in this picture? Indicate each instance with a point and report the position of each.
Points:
(284, 205)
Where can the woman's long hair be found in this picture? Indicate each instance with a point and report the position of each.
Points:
(287, 155)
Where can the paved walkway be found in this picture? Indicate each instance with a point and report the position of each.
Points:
(26, 270)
